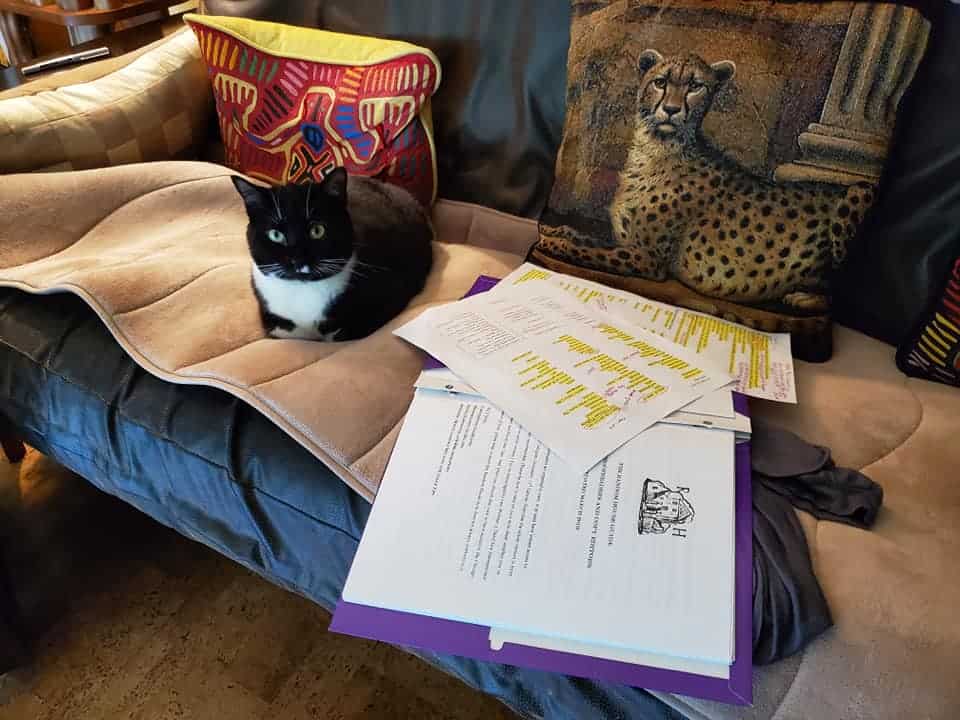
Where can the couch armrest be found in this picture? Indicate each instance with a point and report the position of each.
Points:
(157, 107)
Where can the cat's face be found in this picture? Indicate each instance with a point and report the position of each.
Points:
(299, 232)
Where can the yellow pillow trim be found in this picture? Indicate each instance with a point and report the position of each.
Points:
(310, 44)
(426, 117)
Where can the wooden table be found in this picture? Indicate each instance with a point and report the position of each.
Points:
(119, 43)
(82, 25)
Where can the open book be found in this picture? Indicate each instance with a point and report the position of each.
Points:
(477, 522)
(483, 543)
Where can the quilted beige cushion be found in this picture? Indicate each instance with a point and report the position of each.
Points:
(893, 590)
(157, 107)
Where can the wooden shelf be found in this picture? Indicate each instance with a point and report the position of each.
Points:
(119, 44)
(93, 16)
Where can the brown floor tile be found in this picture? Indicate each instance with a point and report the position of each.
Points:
(134, 621)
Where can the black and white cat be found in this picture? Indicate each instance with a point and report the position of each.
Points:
(332, 265)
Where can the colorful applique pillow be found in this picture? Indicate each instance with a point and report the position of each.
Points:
(721, 155)
(933, 351)
(293, 103)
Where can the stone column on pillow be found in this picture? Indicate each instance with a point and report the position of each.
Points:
(880, 53)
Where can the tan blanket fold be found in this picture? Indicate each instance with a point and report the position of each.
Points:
(158, 250)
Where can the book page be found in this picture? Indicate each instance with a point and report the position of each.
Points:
(441, 379)
(580, 384)
(719, 403)
(761, 362)
(498, 638)
(476, 521)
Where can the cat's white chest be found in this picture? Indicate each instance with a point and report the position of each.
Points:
(303, 302)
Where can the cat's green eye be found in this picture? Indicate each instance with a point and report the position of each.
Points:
(317, 231)
(275, 235)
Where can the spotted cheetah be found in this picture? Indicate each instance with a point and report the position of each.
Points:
(686, 210)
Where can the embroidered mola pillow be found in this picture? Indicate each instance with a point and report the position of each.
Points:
(293, 103)
(932, 352)
(721, 155)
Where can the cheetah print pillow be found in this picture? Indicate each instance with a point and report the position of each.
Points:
(722, 155)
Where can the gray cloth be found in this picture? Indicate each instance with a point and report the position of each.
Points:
(789, 609)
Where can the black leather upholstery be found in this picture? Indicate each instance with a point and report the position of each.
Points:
(913, 234)
(498, 114)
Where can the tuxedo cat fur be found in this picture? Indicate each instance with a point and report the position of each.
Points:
(334, 260)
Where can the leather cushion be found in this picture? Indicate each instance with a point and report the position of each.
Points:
(913, 233)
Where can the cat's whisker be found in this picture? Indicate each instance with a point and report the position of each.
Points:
(276, 204)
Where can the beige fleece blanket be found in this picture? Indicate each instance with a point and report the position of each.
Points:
(158, 250)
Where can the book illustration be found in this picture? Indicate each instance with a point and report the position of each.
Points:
(663, 510)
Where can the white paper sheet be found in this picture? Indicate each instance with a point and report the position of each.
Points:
(476, 521)
(499, 637)
(580, 384)
(760, 362)
(442, 380)
(718, 403)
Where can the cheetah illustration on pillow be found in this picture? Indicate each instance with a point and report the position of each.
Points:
(723, 157)
(686, 210)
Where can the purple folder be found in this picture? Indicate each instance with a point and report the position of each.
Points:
(473, 641)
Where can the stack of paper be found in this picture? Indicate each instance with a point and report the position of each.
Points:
(554, 489)
(580, 380)
(761, 362)
(477, 521)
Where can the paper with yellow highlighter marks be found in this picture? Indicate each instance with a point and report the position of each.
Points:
(760, 362)
(580, 383)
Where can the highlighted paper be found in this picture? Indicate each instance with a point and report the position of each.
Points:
(760, 362)
(581, 383)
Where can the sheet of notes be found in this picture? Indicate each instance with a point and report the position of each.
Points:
(760, 362)
(580, 383)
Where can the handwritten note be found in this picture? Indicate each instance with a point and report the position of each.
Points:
(760, 362)
(580, 383)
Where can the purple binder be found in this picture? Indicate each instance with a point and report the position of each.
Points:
(473, 641)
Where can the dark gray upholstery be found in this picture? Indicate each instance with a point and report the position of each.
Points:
(217, 471)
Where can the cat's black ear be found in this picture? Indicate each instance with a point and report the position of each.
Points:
(254, 196)
(335, 184)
